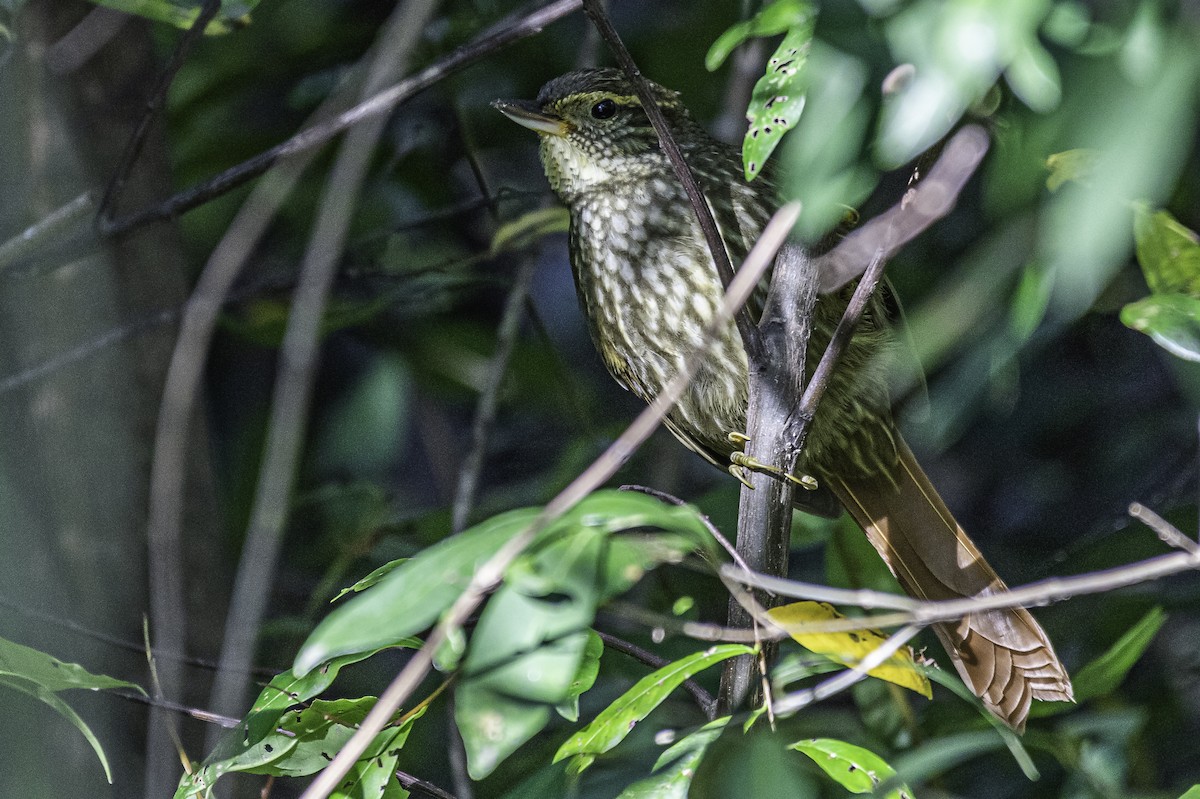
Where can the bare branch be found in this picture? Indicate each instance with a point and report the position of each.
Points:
(490, 573)
(932, 199)
(154, 106)
(708, 226)
(321, 132)
(705, 700)
(1167, 532)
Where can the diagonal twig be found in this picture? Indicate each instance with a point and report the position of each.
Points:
(319, 133)
(489, 574)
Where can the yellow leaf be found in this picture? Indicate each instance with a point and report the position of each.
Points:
(849, 648)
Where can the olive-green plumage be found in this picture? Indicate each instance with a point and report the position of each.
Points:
(648, 287)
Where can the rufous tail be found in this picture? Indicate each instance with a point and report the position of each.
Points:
(1004, 656)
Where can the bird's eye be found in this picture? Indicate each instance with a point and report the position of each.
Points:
(604, 109)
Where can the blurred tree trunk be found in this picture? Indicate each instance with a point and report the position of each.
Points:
(77, 439)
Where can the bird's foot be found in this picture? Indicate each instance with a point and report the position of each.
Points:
(741, 463)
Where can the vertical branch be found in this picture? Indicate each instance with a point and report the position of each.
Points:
(776, 432)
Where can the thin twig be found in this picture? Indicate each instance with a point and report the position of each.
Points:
(51, 228)
(409, 782)
(717, 535)
(1167, 532)
(154, 106)
(706, 701)
(292, 392)
(321, 132)
(487, 576)
(796, 700)
(485, 408)
(929, 201)
(704, 216)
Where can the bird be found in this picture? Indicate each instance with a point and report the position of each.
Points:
(648, 287)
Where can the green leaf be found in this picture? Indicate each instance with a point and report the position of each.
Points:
(412, 596)
(286, 690)
(774, 19)
(371, 578)
(302, 743)
(1168, 252)
(778, 98)
(1192, 793)
(856, 769)
(675, 767)
(756, 764)
(616, 721)
(938, 755)
(1102, 676)
(1172, 320)
(51, 699)
(50, 673)
(493, 725)
(374, 778)
(585, 677)
(951, 681)
(183, 13)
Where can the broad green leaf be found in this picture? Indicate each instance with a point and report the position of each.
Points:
(50, 673)
(525, 230)
(778, 98)
(616, 721)
(1192, 793)
(493, 725)
(51, 699)
(849, 648)
(1102, 676)
(856, 769)
(286, 690)
(585, 677)
(950, 680)
(675, 767)
(374, 778)
(372, 578)
(1172, 320)
(1168, 252)
(752, 765)
(531, 639)
(412, 596)
(183, 13)
(938, 755)
(303, 742)
(777, 17)
(1070, 165)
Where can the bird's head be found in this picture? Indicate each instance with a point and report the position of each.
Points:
(594, 131)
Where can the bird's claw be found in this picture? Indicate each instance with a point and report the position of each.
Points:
(743, 462)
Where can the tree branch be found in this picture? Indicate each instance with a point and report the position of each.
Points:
(384, 101)
(489, 574)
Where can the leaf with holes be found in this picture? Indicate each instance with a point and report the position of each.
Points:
(856, 769)
(778, 98)
(618, 719)
(776, 18)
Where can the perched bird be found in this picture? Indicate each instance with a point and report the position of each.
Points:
(648, 287)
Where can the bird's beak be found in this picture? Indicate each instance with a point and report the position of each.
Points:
(526, 114)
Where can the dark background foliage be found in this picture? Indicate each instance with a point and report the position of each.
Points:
(1042, 421)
